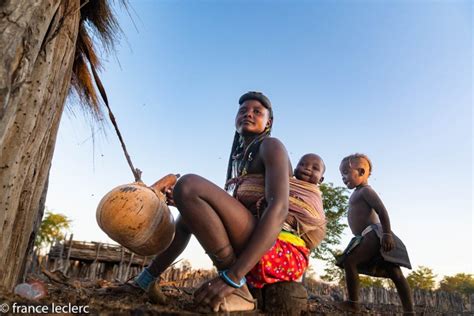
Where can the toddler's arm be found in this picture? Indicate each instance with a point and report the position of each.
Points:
(372, 198)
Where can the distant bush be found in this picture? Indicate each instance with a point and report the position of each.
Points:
(460, 283)
(422, 278)
(53, 227)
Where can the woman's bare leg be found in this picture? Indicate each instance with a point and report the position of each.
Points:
(163, 260)
(221, 224)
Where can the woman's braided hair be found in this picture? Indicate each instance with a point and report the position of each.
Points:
(241, 156)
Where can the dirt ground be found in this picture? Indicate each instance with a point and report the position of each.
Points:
(178, 301)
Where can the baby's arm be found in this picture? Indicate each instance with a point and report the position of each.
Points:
(372, 198)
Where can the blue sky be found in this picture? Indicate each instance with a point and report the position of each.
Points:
(390, 79)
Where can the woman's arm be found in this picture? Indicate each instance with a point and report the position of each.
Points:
(275, 160)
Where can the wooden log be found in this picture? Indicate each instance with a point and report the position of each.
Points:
(288, 298)
(120, 273)
(58, 262)
(108, 271)
(87, 252)
(127, 271)
(38, 44)
(94, 265)
(66, 263)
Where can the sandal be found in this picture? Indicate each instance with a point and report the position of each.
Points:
(239, 301)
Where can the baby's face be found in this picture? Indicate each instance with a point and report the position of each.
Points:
(310, 168)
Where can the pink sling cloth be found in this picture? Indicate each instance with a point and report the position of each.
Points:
(306, 215)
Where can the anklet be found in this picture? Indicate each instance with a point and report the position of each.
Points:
(144, 279)
(223, 275)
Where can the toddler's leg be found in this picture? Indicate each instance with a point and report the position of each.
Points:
(364, 252)
(396, 275)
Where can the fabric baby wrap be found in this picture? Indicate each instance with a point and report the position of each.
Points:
(304, 229)
(306, 217)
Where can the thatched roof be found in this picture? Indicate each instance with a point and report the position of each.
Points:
(98, 29)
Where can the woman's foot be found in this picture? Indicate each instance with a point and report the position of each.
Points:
(240, 300)
(155, 294)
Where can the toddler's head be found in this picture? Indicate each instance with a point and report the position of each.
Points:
(355, 170)
(310, 168)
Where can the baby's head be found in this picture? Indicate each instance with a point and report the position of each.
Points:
(310, 168)
(355, 170)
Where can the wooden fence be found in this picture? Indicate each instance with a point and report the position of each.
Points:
(100, 261)
(429, 300)
(93, 260)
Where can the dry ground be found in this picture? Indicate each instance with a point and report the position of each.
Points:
(179, 301)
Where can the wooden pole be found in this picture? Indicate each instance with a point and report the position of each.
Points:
(66, 265)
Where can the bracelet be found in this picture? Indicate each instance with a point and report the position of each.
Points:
(223, 275)
(389, 234)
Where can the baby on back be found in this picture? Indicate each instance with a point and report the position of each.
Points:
(310, 169)
(306, 217)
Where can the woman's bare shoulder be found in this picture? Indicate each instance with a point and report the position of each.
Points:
(272, 147)
(272, 142)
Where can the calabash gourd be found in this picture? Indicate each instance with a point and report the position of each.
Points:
(137, 217)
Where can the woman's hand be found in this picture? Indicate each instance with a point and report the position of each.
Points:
(164, 187)
(212, 293)
(169, 196)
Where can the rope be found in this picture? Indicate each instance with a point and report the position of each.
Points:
(137, 173)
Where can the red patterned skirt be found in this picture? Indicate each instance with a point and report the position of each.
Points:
(286, 260)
